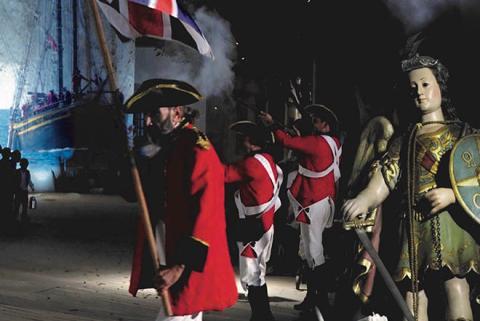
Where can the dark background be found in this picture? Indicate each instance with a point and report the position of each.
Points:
(356, 46)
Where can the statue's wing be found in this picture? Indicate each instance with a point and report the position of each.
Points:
(373, 143)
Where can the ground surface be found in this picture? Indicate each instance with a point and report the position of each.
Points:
(73, 263)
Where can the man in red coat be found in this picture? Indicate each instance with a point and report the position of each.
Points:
(259, 180)
(312, 193)
(198, 272)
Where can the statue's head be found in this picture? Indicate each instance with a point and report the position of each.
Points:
(422, 66)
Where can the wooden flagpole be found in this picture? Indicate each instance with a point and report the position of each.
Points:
(152, 244)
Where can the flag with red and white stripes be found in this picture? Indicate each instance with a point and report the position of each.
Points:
(157, 19)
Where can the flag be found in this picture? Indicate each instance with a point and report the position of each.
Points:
(169, 7)
(51, 43)
(155, 19)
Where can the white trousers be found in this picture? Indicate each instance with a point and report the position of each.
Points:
(197, 317)
(311, 241)
(253, 270)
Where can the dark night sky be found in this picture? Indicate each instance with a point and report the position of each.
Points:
(356, 46)
(355, 43)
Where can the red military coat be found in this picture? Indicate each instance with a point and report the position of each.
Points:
(196, 227)
(255, 184)
(316, 155)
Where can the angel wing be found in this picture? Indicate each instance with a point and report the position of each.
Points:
(373, 143)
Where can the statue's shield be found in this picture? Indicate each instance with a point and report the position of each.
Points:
(465, 174)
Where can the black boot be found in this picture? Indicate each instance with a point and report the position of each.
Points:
(321, 281)
(309, 301)
(268, 316)
(258, 299)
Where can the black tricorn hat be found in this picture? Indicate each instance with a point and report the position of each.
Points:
(155, 93)
(258, 134)
(323, 112)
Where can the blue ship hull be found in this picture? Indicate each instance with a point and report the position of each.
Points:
(44, 131)
(90, 129)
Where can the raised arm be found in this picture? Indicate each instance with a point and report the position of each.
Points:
(301, 144)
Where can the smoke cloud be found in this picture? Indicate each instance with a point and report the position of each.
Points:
(216, 76)
(176, 61)
(417, 14)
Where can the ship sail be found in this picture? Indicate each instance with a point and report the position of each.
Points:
(57, 109)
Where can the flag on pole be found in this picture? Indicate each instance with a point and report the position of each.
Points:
(156, 19)
(51, 43)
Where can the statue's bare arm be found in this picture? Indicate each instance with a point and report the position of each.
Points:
(369, 198)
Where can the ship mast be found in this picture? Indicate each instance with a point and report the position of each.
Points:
(75, 35)
(22, 77)
(60, 45)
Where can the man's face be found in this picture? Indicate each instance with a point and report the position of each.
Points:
(247, 144)
(320, 125)
(165, 120)
(425, 90)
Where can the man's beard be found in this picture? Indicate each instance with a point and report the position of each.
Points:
(159, 137)
(166, 126)
(158, 132)
(160, 128)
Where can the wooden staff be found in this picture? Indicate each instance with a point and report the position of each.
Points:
(152, 244)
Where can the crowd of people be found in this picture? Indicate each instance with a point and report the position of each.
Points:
(431, 243)
(15, 181)
(40, 101)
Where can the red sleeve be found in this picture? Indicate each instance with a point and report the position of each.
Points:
(302, 144)
(234, 172)
(242, 171)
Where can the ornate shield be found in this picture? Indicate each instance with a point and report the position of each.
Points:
(465, 174)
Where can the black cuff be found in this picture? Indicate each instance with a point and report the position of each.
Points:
(274, 126)
(192, 252)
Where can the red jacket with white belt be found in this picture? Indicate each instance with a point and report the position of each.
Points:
(315, 155)
(255, 186)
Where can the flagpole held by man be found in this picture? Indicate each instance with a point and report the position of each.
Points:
(134, 171)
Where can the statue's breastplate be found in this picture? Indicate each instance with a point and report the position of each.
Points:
(430, 148)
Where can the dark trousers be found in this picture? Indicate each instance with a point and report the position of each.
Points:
(21, 199)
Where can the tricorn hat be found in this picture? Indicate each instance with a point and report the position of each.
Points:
(323, 112)
(155, 93)
(259, 135)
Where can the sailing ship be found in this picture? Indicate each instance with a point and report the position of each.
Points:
(84, 120)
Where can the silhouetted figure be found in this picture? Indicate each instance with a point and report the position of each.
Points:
(15, 157)
(52, 99)
(67, 96)
(77, 78)
(7, 176)
(23, 181)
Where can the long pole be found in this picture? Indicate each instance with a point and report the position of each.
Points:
(134, 171)
(60, 45)
(106, 54)
(367, 244)
(75, 33)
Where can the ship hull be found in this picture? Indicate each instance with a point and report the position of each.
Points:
(44, 132)
(94, 133)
